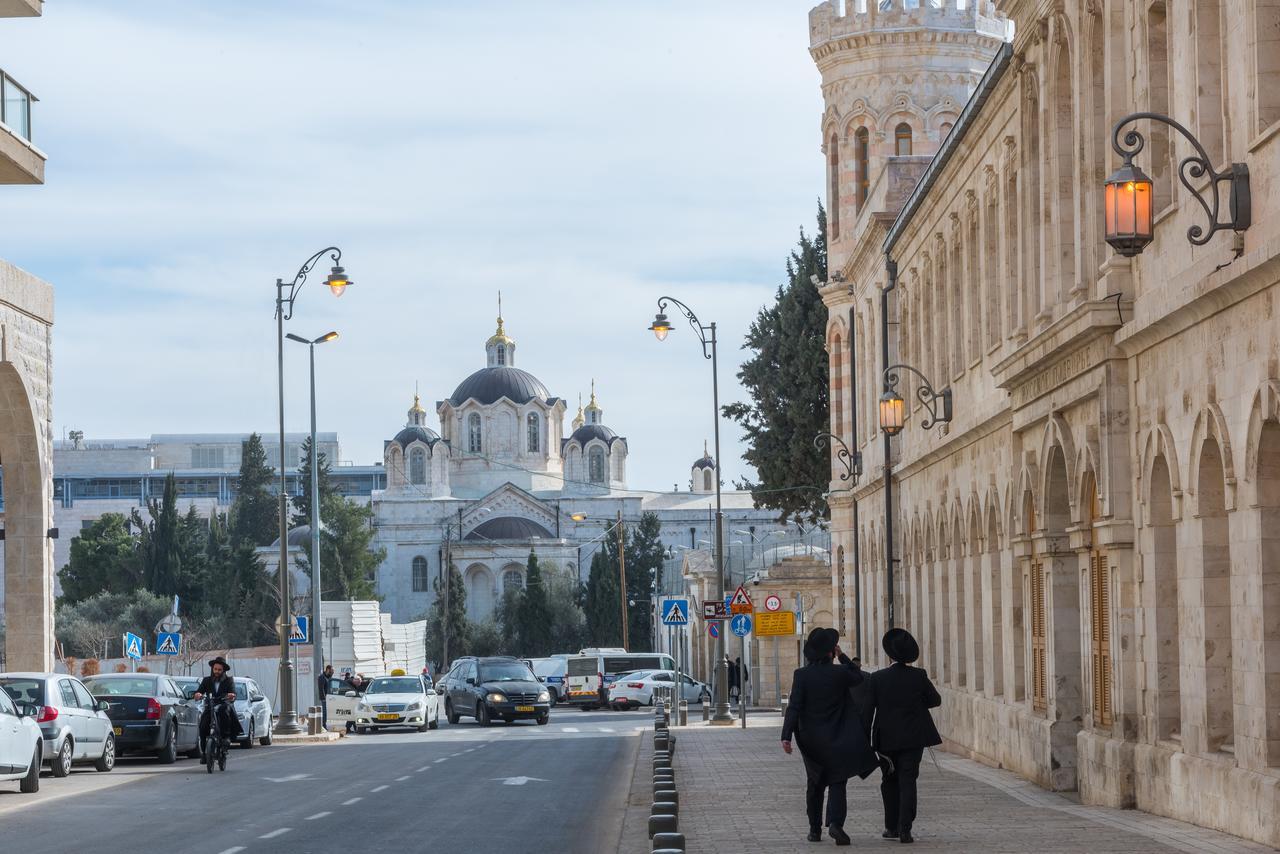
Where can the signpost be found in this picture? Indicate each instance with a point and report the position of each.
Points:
(775, 623)
(741, 625)
(741, 607)
(714, 610)
(713, 629)
(675, 612)
(740, 602)
(133, 648)
(168, 643)
(772, 602)
(300, 630)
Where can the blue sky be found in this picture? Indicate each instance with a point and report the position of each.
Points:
(584, 158)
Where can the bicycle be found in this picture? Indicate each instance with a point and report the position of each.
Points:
(215, 746)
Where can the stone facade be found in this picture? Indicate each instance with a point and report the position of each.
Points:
(1089, 551)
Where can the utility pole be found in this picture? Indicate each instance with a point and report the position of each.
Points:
(622, 580)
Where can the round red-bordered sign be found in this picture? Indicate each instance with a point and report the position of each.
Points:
(772, 602)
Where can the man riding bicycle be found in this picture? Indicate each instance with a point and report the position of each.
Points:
(218, 685)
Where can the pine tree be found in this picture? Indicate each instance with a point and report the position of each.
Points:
(159, 544)
(787, 380)
(348, 564)
(454, 616)
(302, 501)
(255, 515)
(645, 555)
(602, 607)
(534, 615)
(103, 559)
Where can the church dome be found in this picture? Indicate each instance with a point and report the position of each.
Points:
(705, 463)
(587, 432)
(509, 528)
(489, 385)
(416, 433)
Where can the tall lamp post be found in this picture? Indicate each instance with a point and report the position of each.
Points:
(286, 295)
(317, 651)
(661, 327)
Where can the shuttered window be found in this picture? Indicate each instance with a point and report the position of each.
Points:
(1100, 646)
(1039, 673)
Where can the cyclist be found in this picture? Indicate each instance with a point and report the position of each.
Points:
(219, 685)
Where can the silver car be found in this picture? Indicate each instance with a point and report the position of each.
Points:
(74, 725)
(252, 707)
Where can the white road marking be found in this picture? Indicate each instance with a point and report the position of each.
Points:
(402, 779)
(571, 729)
(277, 832)
(424, 768)
(234, 850)
(455, 755)
(379, 789)
(352, 801)
(520, 781)
(292, 778)
(604, 729)
(318, 815)
(441, 759)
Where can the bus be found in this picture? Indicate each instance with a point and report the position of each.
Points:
(589, 674)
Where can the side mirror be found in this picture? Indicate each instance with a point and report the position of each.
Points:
(257, 698)
(102, 705)
(349, 694)
(188, 693)
(440, 690)
(471, 680)
(28, 710)
(542, 679)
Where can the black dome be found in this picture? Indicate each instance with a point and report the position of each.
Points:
(587, 432)
(705, 463)
(488, 385)
(299, 536)
(412, 434)
(508, 528)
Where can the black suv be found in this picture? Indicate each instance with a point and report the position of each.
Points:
(493, 688)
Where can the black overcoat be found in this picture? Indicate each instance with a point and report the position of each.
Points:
(823, 719)
(898, 699)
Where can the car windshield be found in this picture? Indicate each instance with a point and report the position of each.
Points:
(24, 690)
(395, 685)
(513, 672)
(242, 690)
(118, 687)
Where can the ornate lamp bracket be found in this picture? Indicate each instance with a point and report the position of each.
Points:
(706, 334)
(284, 302)
(930, 399)
(852, 460)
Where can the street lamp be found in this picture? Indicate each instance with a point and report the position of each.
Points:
(661, 328)
(852, 460)
(317, 651)
(286, 296)
(893, 408)
(1127, 194)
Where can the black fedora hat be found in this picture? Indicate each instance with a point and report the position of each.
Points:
(822, 642)
(222, 661)
(899, 645)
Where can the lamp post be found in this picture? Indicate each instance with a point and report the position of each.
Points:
(1127, 194)
(286, 295)
(317, 651)
(661, 327)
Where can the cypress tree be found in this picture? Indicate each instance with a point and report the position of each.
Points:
(255, 514)
(534, 613)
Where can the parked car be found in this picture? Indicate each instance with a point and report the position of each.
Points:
(21, 744)
(74, 725)
(491, 688)
(635, 689)
(398, 701)
(590, 673)
(343, 698)
(149, 714)
(254, 711)
(551, 672)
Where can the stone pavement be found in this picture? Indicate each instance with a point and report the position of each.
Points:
(740, 794)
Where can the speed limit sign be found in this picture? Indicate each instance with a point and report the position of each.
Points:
(772, 602)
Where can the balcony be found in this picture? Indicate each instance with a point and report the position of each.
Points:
(20, 161)
(21, 8)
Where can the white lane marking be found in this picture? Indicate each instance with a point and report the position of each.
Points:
(234, 850)
(520, 781)
(292, 778)
(277, 832)
(441, 759)
(468, 750)
(352, 801)
(402, 779)
(423, 768)
(455, 755)
(604, 729)
(571, 729)
(379, 789)
(318, 815)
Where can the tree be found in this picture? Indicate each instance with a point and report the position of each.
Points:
(93, 627)
(787, 380)
(348, 564)
(103, 558)
(242, 603)
(302, 501)
(255, 514)
(158, 543)
(603, 608)
(645, 555)
(533, 615)
(566, 622)
(454, 618)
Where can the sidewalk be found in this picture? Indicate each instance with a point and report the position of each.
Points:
(740, 794)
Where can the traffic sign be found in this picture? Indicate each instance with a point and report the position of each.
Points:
(775, 623)
(300, 632)
(168, 643)
(713, 629)
(170, 624)
(714, 610)
(132, 646)
(772, 602)
(741, 625)
(675, 612)
(741, 602)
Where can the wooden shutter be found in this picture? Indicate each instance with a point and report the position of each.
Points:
(1039, 674)
(1100, 654)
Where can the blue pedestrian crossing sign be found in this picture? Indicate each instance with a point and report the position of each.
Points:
(168, 643)
(675, 612)
(300, 631)
(741, 624)
(132, 646)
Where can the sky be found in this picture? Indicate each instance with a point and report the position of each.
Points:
(583, 158)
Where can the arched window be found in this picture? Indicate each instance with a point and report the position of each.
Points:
(833, 191)
(511, 580)
(595, 465)
(501, 354)
(902, 140)
(945, 130)
(417, 466)
(707, 483)
(473, 433)
(420, 580)
(535, 443)
(862, 158)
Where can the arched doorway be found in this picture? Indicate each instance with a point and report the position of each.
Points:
(479, 581)
(1061, 579)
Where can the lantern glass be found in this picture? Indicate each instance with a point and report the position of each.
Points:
(1127, 214)
(661, 327)
(892, 413)
(337, 281)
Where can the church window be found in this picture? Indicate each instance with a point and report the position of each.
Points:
(596, 470)
(473, 433)
(511, 580)
(535, 443)
(420, 578)
(862, 158)
(706, 480)
(502, 354)
(417, 466)
(902, 140)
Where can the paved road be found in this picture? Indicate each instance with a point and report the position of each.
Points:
(510, 788)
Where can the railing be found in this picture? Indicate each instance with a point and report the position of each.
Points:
(15, 106)
(745, 556)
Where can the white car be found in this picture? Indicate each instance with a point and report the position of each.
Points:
(21, 744)
(254, 711)
(636, 688)
(397, 701)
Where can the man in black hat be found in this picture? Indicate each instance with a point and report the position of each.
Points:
(219, 685)
(899, 698)
(821, 716)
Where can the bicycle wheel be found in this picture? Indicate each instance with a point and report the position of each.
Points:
(210, 753)
(222, 756)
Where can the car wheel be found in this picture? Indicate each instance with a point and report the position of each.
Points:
(265, 741)
(60, 765)
(450, 715)
(31, 783)
(247, 741)
(544, 719)
(107, 760)
(482, 715)
(169, 753)
(435, 722)
(362, 730)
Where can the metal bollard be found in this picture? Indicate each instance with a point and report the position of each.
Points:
(670, 841)
(683, 718)
(662, 823)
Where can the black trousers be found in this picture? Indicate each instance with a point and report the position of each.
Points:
(324, 711)
(898, 788)
(837, 806)
(227, 720)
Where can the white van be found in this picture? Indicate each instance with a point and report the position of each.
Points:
(551, 672)
(589, 674)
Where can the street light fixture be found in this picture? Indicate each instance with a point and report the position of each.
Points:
(852, 460)
(317, 651)
(1127, 194)
(286, 297)
(661, 327)
(893, 408)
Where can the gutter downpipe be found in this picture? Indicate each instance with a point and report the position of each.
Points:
(857, 556)
(891, 267)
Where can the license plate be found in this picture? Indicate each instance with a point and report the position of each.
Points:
(117, 730)
(524, 708)
(386, 716)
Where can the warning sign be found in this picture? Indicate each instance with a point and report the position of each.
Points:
(775, 623)
(741, 602)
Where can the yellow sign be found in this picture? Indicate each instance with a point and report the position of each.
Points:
(774, 623)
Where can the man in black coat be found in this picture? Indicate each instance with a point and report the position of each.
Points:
(899, 698)
(219, 685)
(821, 715)
(322, 689)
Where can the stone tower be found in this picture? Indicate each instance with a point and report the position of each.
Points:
(895, 76)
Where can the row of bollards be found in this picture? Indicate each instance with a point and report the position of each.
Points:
(664, 819)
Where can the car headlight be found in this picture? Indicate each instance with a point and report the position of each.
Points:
(362, 707)
(544, 697)
(495, 697)
(415, 706)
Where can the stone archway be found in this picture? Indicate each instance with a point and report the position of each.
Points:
(28, 554)
(1062, 606)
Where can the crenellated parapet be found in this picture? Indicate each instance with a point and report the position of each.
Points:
(872, 20)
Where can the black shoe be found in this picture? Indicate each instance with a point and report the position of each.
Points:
(814, 836)
(889, 834)
(905, 836)
(837, 833)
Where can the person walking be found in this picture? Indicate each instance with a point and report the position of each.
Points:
(822, 718)
(900, 697)
(322, 691)
(732, 670)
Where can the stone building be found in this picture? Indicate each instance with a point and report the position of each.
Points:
(1090, 550)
